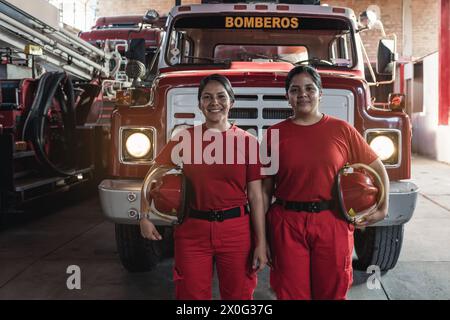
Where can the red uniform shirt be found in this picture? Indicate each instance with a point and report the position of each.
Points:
(311, 156)
(218, 183)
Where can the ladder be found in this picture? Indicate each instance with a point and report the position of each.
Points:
(61, 49)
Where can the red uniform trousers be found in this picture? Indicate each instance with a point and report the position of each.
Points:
(312, 254)
(200, 243)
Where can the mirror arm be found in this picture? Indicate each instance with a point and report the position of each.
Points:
(372, 73)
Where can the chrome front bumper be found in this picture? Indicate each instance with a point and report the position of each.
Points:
(120, 200)
(402, 203)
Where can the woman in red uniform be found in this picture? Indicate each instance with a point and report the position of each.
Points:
(311, 245)
(223, 184)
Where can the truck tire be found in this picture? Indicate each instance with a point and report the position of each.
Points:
(136, 253)
(378, 246)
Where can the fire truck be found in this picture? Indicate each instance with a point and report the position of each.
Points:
(125, 33)
(255, 45)
(54, 131)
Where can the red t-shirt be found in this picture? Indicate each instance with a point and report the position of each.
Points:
(310, 157)
(220, 178)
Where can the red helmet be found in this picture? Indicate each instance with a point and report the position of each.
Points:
(165, 192)
(359, 187)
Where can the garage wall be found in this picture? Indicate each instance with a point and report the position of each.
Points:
(429, 138)
(425, 17)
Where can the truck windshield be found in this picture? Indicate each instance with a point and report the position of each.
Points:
(216, 38)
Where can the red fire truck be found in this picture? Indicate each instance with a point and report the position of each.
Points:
(53, 132)
(255, 45)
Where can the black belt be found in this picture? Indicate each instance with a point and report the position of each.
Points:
(217, 215)
(306, 206)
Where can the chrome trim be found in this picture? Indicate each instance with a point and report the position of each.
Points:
(116, 208)
(402, 203)
(399, 133)
(153, 143)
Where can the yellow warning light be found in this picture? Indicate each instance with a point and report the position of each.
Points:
(33, 50)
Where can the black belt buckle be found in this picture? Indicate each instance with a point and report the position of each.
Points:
(312, 207)
(216, 215)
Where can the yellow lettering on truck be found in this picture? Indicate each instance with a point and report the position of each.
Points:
(229, 22)
(262, 22)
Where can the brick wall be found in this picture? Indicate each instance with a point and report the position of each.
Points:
(424, 14)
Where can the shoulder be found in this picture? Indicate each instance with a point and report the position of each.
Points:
(339, 124)
(281, 124)
(242, 133)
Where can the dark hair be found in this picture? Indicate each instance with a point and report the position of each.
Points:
(301, 69)
(219, 78)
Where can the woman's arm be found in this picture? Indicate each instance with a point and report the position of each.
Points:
(148, 229)
(255, 198)
(267, 190)
(382, 210)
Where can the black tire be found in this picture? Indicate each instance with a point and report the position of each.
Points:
(136, 253)
(378, 246)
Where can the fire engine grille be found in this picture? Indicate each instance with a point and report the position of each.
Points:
(243, 113)
(277, 113)
(254, 109)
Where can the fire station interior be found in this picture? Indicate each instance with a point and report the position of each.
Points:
(53, 223)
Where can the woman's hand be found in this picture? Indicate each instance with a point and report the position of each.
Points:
(372, 215)
(148, 230)
(259, 258)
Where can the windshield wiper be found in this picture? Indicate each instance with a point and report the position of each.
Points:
(315, 62)
(213, 60)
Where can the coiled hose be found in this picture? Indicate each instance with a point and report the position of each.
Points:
(53, 85)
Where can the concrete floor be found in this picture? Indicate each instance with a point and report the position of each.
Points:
(36, 252)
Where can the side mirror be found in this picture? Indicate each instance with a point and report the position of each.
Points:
(136, 59)
(151, 16)
(386, 57)
(136, 50)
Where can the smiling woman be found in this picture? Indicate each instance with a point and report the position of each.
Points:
(311, 243)
(216, 98)
(217, 229)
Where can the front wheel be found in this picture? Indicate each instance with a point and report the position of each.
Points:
(379, 246)
(138, 254)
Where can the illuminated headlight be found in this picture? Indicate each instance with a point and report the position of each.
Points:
(383, 146)
(386, 144)
(137, 144)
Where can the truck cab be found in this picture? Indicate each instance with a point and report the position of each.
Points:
(255, 45)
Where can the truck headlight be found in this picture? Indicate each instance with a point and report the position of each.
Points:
(387, 145)
(383, 147)
(137, 144)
